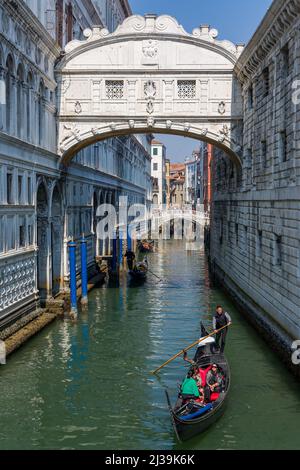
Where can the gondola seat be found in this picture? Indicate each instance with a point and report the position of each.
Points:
(203, 373)
(214, 397)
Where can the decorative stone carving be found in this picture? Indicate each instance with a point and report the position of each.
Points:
(222, 108)
(150, 90)
(70, 131)
(150, 122)
(78, 108)
(187, 126)
(131, 123)
(169, 124)
(150, 52)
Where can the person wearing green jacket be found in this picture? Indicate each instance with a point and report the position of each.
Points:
(189, 389)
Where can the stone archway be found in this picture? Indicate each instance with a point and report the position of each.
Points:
(149, 76)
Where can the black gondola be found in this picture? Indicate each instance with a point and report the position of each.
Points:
(192, 419)
(139, 273)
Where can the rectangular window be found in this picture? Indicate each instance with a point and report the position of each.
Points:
(237, 234)
(266, 81)
(155, 166)
(259, 244)
(114, 89)
(155, 151)
(283, 146)
(20, 189)
(285, 61)
(30, 235)
(186, 89)
(250, 97)
(278, 251)
(245, 239)
(9, 188)
(263, 147)
(22, 237)
(29, 191)
(10, 233)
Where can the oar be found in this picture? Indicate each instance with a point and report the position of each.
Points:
(160, 279)
(189, 347)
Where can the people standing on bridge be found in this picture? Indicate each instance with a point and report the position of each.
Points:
(221, 319)
(130, 256)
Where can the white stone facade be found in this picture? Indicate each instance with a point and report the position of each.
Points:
(149, 76)
(158, 173)
(42, 204)
(255, 247)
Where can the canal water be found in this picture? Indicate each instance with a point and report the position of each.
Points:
(88, 385)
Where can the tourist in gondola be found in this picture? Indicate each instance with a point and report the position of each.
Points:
(220, 320)
(130, 256)
(214, 379)
(189, 389)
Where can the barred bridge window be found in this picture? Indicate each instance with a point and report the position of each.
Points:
(186, 89)
(114, 89)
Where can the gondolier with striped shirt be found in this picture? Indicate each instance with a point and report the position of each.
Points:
(221, 319)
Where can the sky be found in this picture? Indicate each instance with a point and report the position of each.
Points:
(236, 20)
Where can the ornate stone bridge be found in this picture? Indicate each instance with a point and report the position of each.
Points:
(150, 75)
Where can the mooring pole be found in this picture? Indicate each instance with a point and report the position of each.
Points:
(114, 255)
(73, 285)
(120, 247)
(84, 274)
(129, 241)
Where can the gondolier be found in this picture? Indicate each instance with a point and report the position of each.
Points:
(221, 319)
(130, 256)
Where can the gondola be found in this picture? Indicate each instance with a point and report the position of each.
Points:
(192, 419)
(139, 273)
(146, 247)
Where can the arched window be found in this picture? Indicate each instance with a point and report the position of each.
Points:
(8, 91)
(20, 100)
(41, 111)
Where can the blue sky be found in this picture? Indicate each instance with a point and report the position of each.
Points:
(236, 20)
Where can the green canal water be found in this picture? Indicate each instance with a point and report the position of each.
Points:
(88, 385)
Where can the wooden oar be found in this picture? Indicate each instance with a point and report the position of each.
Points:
(190, 347)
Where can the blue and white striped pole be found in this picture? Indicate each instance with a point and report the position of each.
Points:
(73, 284)
(84, 273)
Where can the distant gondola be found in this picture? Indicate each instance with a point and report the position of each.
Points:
(139, 273)
(190, 420)
(146, 247)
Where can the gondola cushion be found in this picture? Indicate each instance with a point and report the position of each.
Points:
(199, 413)
(203, 373)
(214, 396)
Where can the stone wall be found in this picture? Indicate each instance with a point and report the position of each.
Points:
(255, 246)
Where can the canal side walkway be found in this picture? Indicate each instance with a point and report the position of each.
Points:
(18, 333)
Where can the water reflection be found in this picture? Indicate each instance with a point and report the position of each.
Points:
(88, 384)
